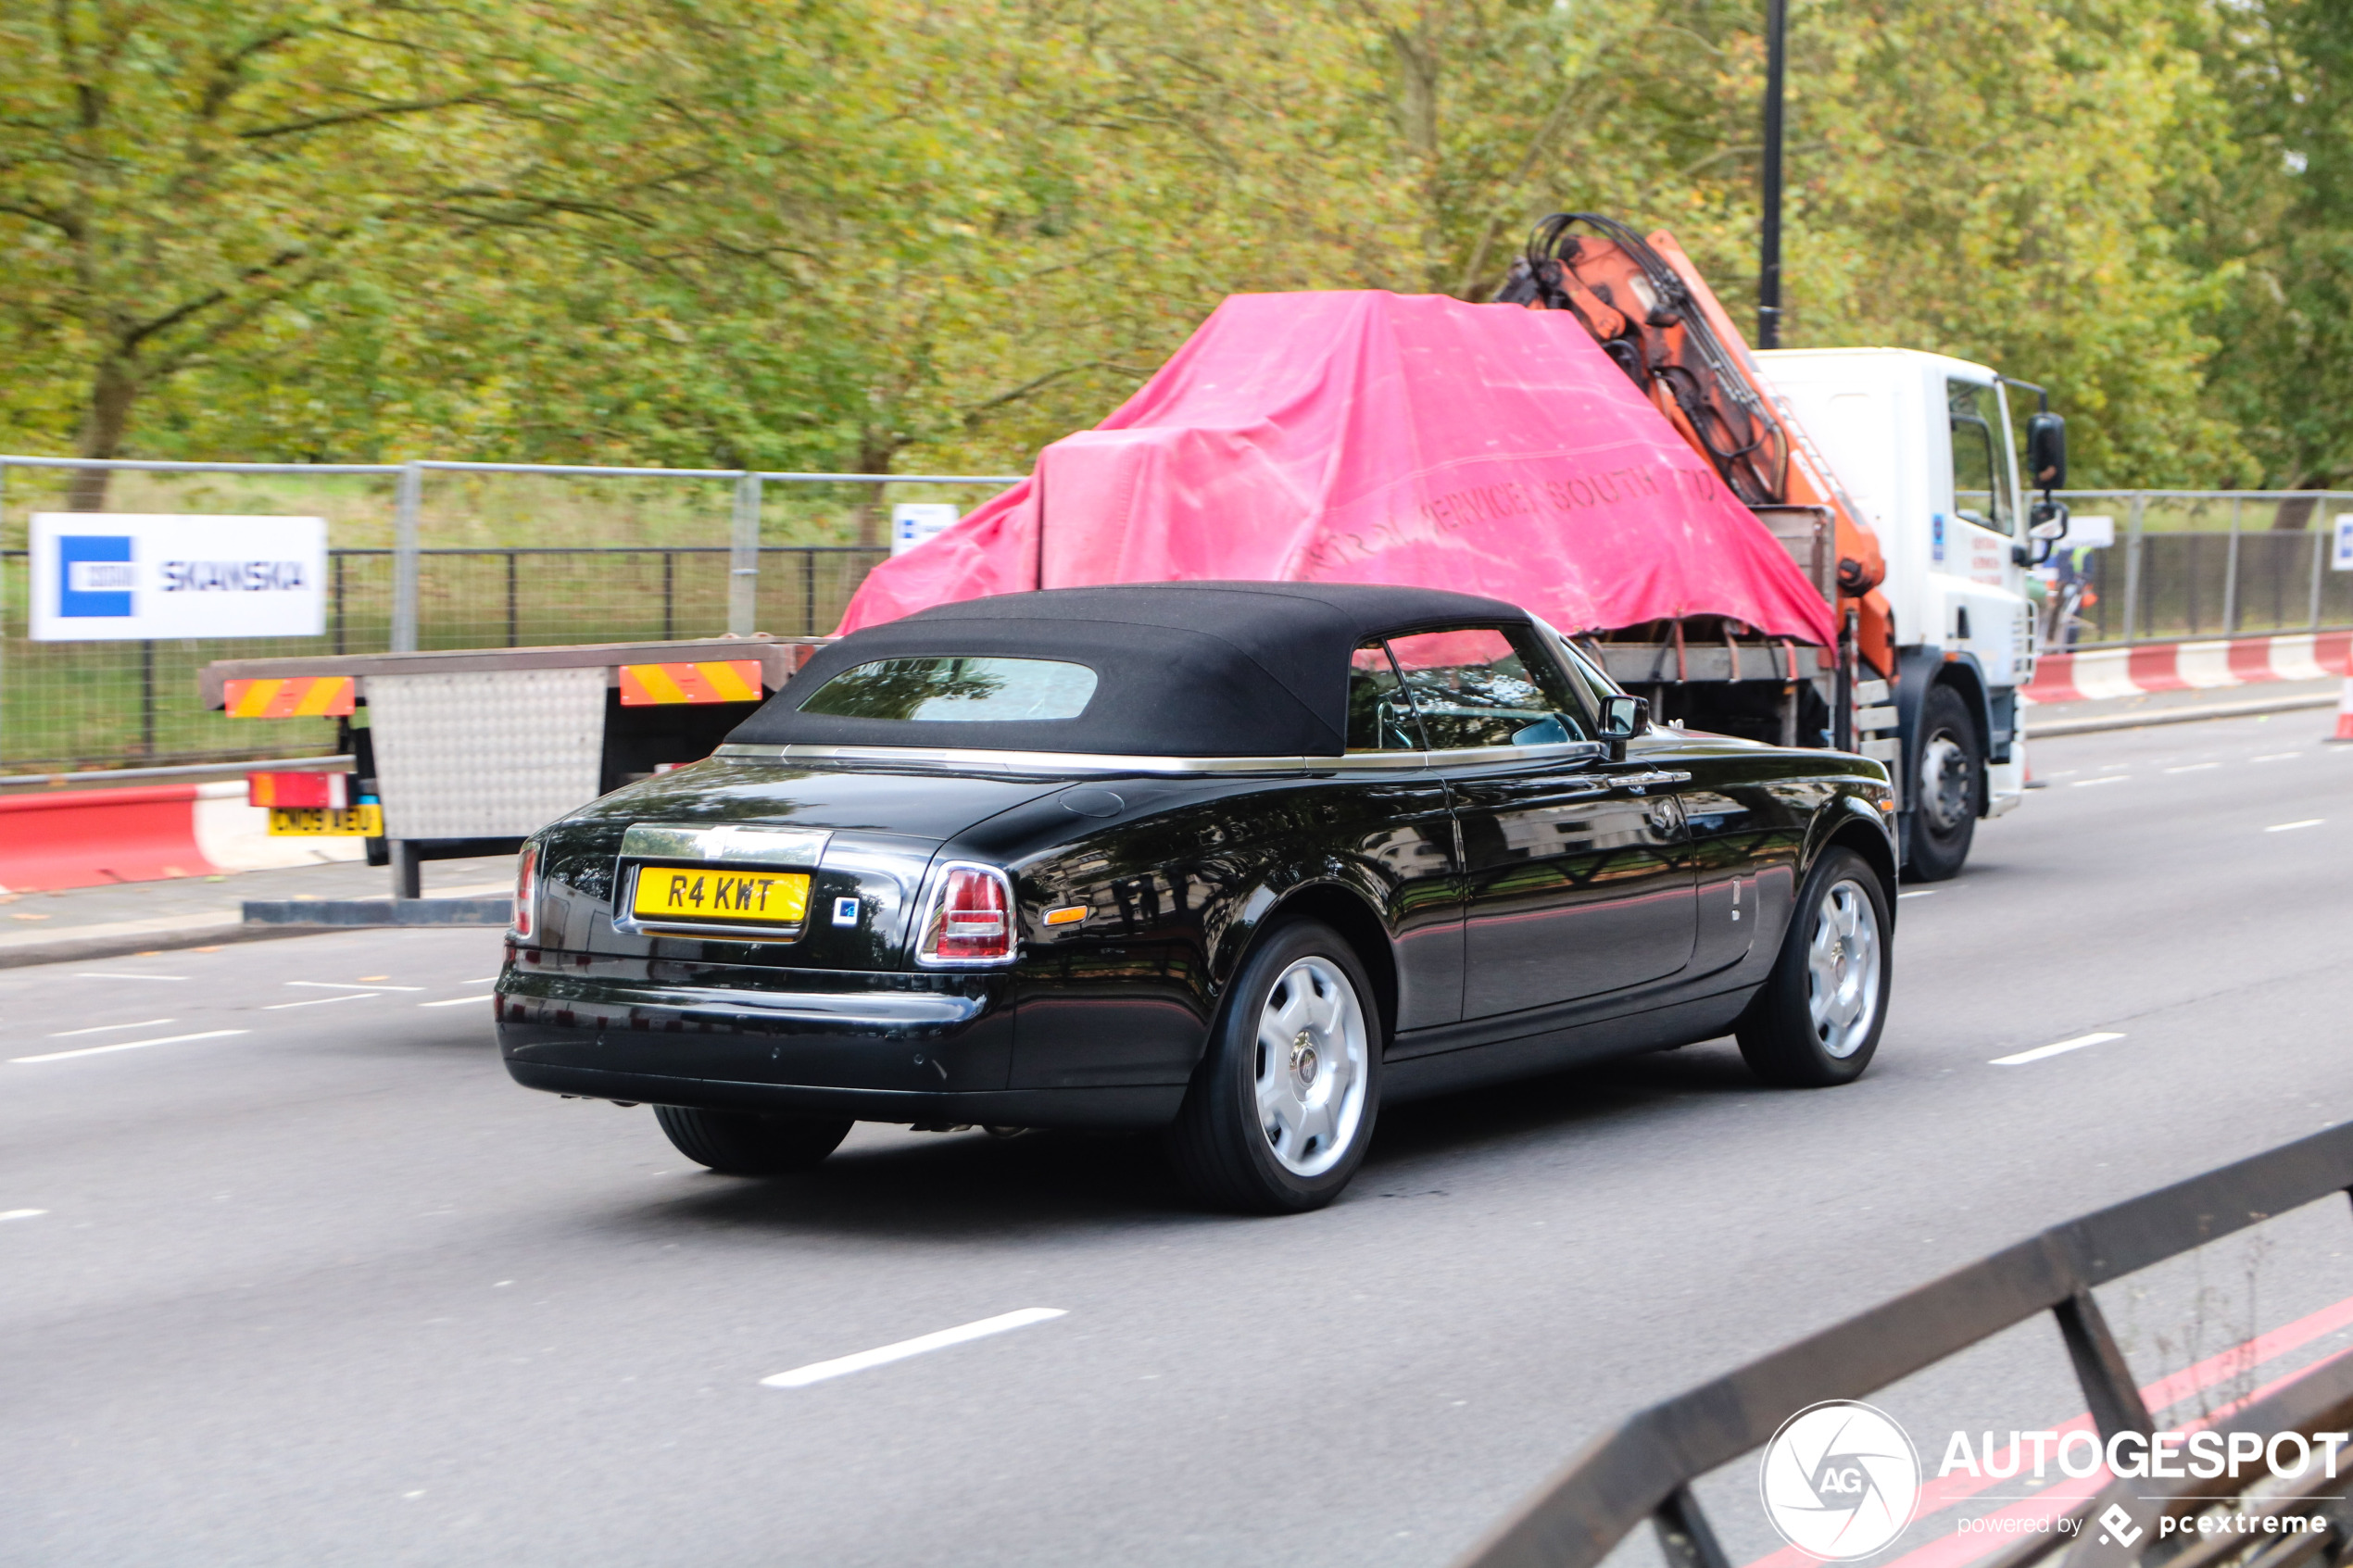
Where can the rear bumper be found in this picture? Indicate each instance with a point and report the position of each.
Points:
(875, 1046)
(1120, 1106)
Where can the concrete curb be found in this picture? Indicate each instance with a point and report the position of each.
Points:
(2176, 716)
(121, 938)
(330, 914)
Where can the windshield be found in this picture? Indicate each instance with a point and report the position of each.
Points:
(1981, 473)
(947, 689)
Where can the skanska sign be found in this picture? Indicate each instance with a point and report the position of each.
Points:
(115, 576)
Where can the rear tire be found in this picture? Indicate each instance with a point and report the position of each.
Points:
(738, 1143)
(1282, 1105)
(1816, 1023)
(1951, 789)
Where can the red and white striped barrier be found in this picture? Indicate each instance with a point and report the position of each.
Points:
(2173, 667)
(90, 837)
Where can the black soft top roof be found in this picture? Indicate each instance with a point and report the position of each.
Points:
(1182, 669)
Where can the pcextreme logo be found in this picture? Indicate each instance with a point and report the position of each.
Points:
(1840, 1480)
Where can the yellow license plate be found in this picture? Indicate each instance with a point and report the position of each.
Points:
(326, 821)
(750, 897)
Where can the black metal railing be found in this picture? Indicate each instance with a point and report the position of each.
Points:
(1644, 1468)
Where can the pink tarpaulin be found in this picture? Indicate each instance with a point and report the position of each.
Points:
(1372, 437)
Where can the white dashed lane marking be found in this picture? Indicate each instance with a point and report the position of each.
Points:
(21, 1213)
(2275, 756)
(2086, 783)
(2194, 767)
(455, 1001)
(320, 1001)
(2291, 827)
(818, 1372)
(1917, 893)
(340, 986)
(2039, 1052)
(101, 974)
(108, 1028)
(129, 1046)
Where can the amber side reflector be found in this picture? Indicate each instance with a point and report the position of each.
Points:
(302, 696)
(1069, 914)
(726, 680)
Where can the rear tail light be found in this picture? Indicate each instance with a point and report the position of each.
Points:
(526, 888)
(332, 790)
(971, 918)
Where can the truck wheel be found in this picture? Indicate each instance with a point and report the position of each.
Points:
(737, 1143)
(1281, 1107)
(1952, 779)
(1818, 1020)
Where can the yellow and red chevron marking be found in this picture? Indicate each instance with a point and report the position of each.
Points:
(722, 680)
(302, 696)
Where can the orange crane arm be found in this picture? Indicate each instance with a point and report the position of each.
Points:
(1653, 313)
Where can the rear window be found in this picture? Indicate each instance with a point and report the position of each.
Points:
(949, 689)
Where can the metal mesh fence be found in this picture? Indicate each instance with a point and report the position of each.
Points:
(2208, 564)
(509, 556)
(500, 557)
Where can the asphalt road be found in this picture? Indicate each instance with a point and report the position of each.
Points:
(310, 1281)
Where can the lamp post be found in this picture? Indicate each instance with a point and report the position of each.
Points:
(1768, 270)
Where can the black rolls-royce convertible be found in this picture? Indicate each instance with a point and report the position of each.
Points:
(1240, 860)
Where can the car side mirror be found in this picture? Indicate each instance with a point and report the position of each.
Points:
(2046, 452)
(1623, 718)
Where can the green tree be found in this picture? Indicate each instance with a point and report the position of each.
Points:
(2281, 215)
(172, 173)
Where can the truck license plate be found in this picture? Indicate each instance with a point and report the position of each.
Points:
(326, 821)
(750, 897)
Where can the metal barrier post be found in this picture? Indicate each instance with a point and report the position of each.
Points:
(2109, 1388)
(2319, 564)
(2230, 575)
(405, 544)
(147, 696)
(2132, 617)
(743, 559)
(1684, 1536)
(4, 601)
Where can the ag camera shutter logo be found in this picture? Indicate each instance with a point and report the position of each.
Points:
(1840, 1480)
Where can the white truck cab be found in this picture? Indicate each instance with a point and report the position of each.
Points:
(1922, 443)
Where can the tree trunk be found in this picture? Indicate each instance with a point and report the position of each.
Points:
(112, 391)
(878, 449)
(2295, 513)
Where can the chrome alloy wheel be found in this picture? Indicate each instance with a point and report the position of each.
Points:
(1944, 781)
(1311, 1054)
(1843, 962)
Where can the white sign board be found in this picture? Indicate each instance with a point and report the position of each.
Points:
(2343, 559)
(116, 576)
(911, 522)
(2089, 533)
